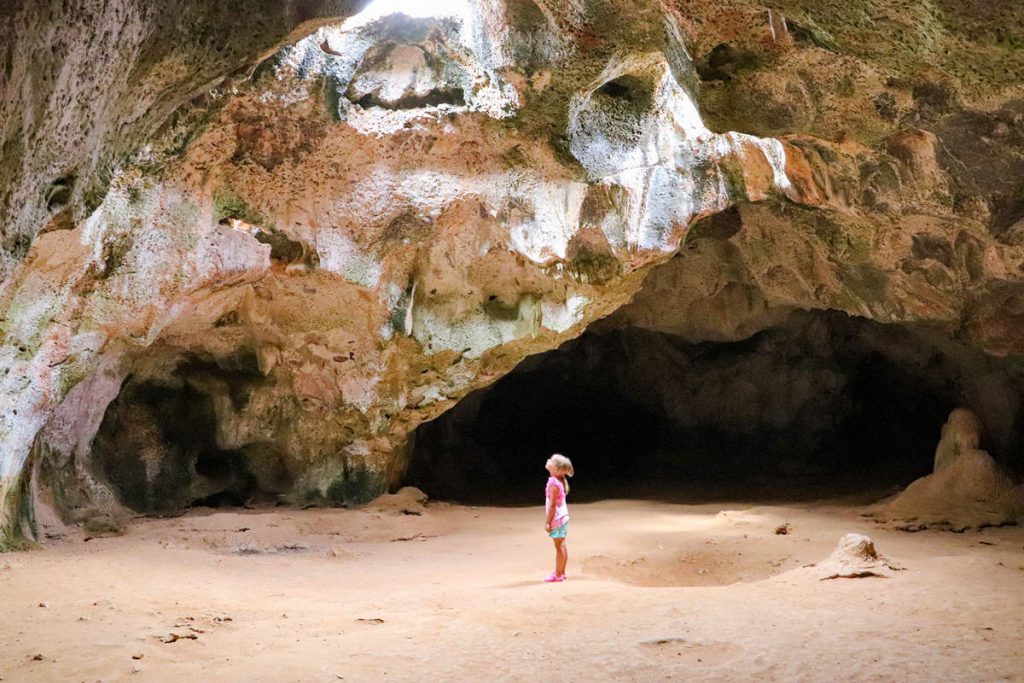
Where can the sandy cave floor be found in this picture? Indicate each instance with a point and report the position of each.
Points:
(656, 591)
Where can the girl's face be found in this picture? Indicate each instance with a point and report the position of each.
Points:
(552, 469)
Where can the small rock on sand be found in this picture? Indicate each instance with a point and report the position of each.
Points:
(855, 557)
(407, 500)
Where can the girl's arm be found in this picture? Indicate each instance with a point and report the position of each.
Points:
(552, 500)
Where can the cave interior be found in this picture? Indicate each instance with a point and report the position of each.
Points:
(821, 405)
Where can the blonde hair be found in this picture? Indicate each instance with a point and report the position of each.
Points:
(562, 464)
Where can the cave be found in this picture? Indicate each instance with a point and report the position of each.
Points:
(158, 448)
(297, 297)
(824, 404)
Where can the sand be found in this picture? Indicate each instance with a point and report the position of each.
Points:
(656, 591)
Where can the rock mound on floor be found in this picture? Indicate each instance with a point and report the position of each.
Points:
(967, 490)
(408, 500)
(854, 558)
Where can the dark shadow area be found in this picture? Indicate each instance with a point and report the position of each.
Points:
(455, 97)
(822, 406)
(157, 445)
(521, 421)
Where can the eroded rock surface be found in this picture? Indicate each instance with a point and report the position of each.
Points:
(262, 292)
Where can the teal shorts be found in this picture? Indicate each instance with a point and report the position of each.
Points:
(560, 532)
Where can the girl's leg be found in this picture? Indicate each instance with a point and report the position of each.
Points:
(561, 556)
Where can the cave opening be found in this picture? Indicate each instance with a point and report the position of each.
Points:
(411, 8)
(823, 405)
(158, 448)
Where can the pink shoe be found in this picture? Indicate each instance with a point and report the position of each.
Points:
(554, 578)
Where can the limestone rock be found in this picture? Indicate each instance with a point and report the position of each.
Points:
(960, 434)
(854, 557)
(968, 488)
(973, 491)
(916, 149)
(87, 83)
(408, 500)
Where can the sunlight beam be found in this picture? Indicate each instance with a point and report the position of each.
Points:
(416, 9)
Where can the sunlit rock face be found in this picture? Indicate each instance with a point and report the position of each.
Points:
(298, 267)
(85, 82)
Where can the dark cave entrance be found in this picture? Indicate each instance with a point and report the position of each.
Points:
(823, 405)
(493, 446)
(157, 445)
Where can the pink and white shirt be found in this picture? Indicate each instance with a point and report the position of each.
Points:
(561, 509)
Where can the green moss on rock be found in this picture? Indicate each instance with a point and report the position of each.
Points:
(356, 486)
(228, 204)
(18, 526)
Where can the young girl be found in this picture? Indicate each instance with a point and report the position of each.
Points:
(557, 523)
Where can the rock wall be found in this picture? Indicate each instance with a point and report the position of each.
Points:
(323, 252)
(84, 83)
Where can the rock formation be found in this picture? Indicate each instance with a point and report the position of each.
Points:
(232, 271)
(854, 557)
(967, 490)
(960, 434)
